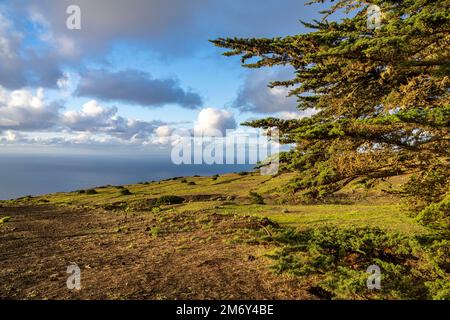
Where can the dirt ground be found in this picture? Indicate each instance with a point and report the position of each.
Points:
(133, 256)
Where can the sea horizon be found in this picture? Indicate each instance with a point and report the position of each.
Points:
(37, 174)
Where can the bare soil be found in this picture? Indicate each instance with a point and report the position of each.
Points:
(125, 255)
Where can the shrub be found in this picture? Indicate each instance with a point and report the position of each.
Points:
(125, 192)
(156, 210)
(243, 173)
(256, 198)
(183, 181)
(339, 258)
(91, 192)
(436, 215)
(81, 191)
(215, 177)
(427, 187)
(5, 219)
(165, 200)
(155, 231)
(191, 183)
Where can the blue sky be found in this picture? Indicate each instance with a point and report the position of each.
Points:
(135, 71)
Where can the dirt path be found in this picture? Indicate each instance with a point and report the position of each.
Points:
(133, 256)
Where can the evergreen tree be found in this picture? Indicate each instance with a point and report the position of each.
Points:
(381, 96)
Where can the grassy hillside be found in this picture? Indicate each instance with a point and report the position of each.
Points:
(324, 248)
(230, 194)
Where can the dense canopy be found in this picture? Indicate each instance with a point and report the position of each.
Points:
(381, 97)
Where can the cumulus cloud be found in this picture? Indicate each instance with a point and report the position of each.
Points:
(292, 115)
(163, 135)
(212, 121)
(256, 96)
(135, 87)
(23, 110)
(167, 27)
(21, 66)
(98, 119)
(10, 136)
(173, 26)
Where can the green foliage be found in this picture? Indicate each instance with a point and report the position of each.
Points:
(381, 96)
(91, 192)
(215, 177)
(437, 215)
(5, 219)
(410, 268)
(125, 192)
(256, 198)
(191, 183)
(428, 186)
(243, 173)
(169, 199)
(156, 210)
(183, 181)
(155, 232)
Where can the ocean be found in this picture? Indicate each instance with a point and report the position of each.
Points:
(32, 174)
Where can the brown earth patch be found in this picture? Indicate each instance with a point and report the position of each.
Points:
(134, 256)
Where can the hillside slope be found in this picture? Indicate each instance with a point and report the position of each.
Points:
(191, 238)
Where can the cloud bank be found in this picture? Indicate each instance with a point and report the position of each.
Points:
(135, 87)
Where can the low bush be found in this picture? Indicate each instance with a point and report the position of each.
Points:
(411, 268)
(166, 200)
(5, 219)
(125, 192)
(256, 198)
(91, 192)
(155, 231)
(436, 215)
(191, 183)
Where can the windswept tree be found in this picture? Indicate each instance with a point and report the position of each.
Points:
(381, 97)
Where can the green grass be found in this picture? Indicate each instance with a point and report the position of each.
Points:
(381, 212)
(155, 232)
(5, 219)
(371, 223)
(412, 267)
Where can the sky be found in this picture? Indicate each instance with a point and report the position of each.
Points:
(135, 71)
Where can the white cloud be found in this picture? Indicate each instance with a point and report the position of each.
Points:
(62, 44)
(95, 118)
(292, 115)
(211, 121)
(256, 96)
(11, 137)
(25, 110)
(25, 66)
(91, 117)
(5, 45)
(163, 135)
